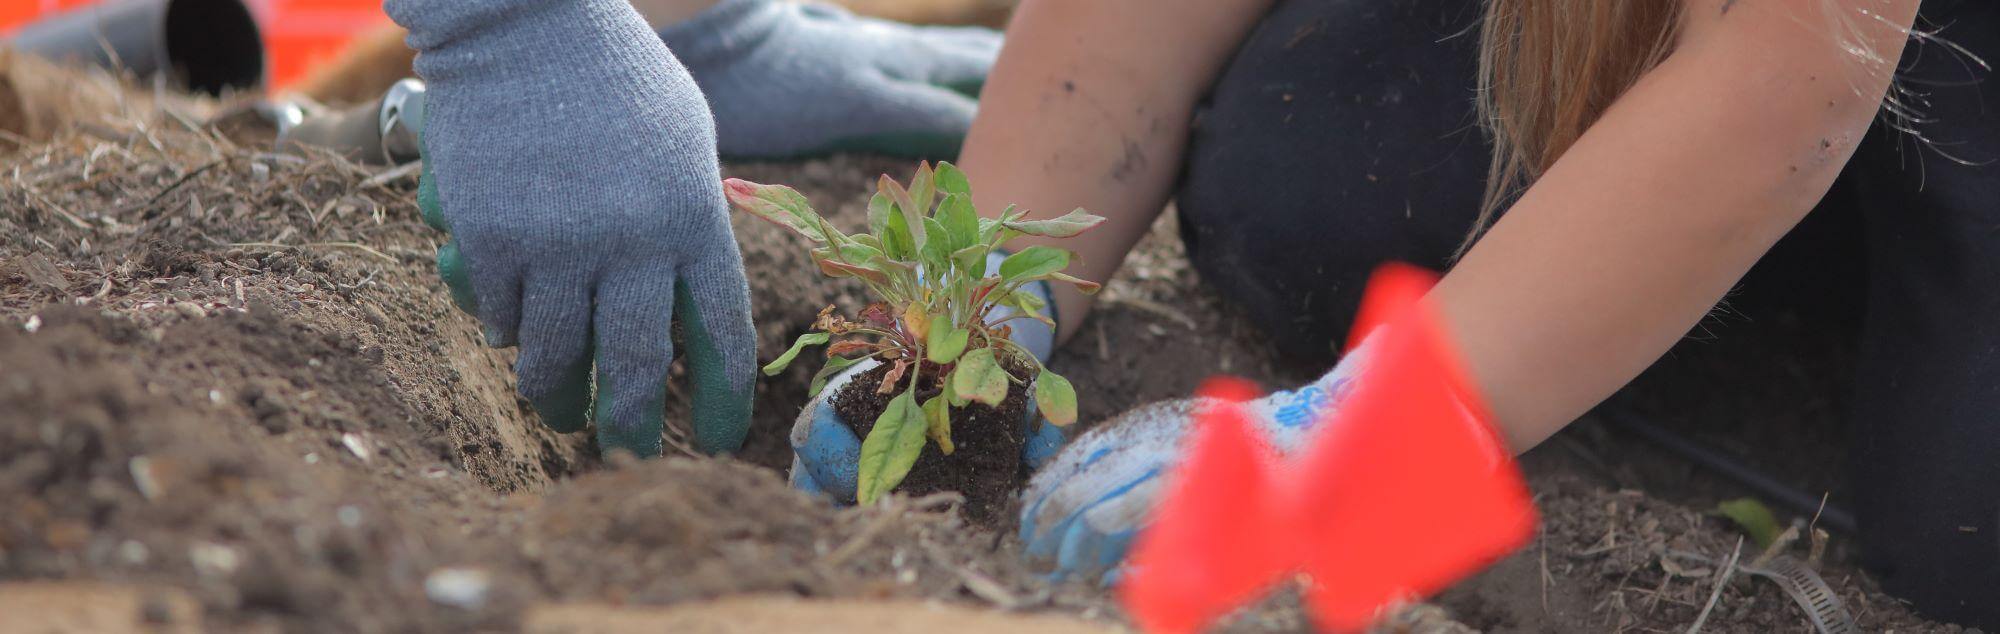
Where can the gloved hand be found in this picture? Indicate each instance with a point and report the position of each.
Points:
(1081, 511)
(789, 79)
(826, 455)
(573, 162)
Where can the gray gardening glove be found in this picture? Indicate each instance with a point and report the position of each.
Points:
(573, 161)
(789, 79)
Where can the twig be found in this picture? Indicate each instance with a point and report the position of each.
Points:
(391, 176)
(60, 211)
(1728, 570)
(1778, 545)
(315, 245)
(173, 185)
(1546, 578)
(860, 540)
(1813, 526)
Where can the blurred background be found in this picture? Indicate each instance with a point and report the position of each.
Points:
(332, 51)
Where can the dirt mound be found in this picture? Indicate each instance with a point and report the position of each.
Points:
(236, 373)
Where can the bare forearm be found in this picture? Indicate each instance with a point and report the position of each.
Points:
(1088, 106)
(1643, 225)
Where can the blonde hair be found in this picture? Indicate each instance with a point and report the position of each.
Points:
(1548, 69)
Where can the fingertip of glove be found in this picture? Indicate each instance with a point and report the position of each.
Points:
(458, 280)
(1046, 441)
(427, 201)
(641, 437)
(566, 408)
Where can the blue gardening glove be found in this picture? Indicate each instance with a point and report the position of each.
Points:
(573, 161)
(1081, 511)
(789, 79)
(826, 455)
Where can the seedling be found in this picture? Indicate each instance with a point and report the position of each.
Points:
(924, 258)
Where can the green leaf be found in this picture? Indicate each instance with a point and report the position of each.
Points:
(923, 189)
(808, 339)
(896, 240)
(830, 267)
(1029, 304)
(945, 344)
(879, 210)
(970, 260)
(937, 412)
(937, 252)
(960, 220)
(1033, 262)
(1753, 517)
(980, 378)
(913, 218)
(833, 366)
(891, 448)
(778, 204)
(857, 253)
(1064, 226)
(951, 180)
(991, 231)
(950, 394)
(1056, 398)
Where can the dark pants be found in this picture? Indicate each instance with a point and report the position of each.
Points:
(1343, 136)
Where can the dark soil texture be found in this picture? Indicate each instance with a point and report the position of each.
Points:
(231, 382)
(985, 464)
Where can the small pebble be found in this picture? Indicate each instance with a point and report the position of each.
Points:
(348, 516)
(358, 446)
(212, 560)
(144, 478)
(459, 587)
(133, 552)
(34, 323)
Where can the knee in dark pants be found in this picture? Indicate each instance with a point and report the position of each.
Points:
(1926, 456)
(1342, 136)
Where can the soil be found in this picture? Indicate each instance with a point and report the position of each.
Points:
(232, 380)
(985, 464)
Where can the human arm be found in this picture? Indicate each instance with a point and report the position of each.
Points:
(1636, 232)
(1091, 109)
(1602, 265)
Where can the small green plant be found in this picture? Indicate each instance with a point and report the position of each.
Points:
(924, 257)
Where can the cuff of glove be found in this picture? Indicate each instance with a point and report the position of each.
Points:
(722, 31)
(1038, 337)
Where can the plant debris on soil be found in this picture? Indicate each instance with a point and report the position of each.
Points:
(232, 376)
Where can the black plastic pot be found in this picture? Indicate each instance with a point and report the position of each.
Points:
(205, 45)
